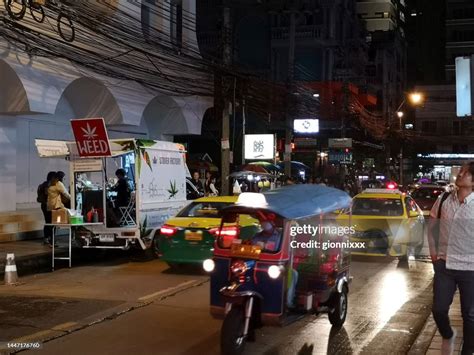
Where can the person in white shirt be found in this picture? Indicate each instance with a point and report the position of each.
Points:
(212, 188)
(451, 242)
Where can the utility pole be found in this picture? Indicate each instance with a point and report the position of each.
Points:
(289, 121)
(401, 151)
(243, 131)
(227, 61)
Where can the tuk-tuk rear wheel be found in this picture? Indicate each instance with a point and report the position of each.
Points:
(337, 316)
(232, 338)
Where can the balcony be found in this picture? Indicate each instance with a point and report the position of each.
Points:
(302, 32)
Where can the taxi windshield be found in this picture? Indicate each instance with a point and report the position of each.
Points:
(264, 231)
(203, 209)
(377, 206)
(429, 194)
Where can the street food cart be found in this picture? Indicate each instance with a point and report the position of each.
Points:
(156, 172)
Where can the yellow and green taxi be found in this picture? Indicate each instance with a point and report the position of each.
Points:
(189, 237)
(386, 222)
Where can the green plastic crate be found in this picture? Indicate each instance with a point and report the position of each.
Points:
(76, 219)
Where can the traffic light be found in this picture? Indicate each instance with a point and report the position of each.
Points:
(347, 150)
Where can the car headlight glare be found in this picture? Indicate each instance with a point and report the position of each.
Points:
(274, 271)
(208, 265)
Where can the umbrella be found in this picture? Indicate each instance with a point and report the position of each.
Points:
(254, 168)
(272, 168)
(295, 165)
(245, 174)
(201, 165)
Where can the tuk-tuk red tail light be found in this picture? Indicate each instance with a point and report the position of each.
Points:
(327, 267)
(168, 230)
(225, 231)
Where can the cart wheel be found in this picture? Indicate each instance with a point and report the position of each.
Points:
(337, 316)
(232, 338)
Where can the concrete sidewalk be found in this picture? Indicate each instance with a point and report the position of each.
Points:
(31, 256)
(429, 340)
(456, 322)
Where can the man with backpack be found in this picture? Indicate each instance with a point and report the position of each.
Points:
(451, 242)
(42, 198)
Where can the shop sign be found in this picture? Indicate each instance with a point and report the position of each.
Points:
(91, 137)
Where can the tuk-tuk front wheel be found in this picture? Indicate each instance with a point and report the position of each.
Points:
(232, 332)
(337, 315)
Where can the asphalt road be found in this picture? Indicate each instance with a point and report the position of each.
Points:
(123, 307)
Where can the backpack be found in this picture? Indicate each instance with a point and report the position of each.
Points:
(42, 192)
(436, 232)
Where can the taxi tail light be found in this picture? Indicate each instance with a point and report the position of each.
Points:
(225, 231)
(169, 231)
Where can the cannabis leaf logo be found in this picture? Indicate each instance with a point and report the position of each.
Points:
(89, 132)
(172, 190)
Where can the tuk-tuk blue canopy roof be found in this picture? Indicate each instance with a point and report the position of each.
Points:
(297, 201)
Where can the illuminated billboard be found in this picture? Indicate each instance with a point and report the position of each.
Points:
(259, 146)
(463, 87)
(306, 126)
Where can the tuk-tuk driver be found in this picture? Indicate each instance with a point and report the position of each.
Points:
(269, 237)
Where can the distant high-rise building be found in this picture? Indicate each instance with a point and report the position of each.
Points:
(459, 33)
(386, 70)
(425, 32)
(381, 15)
(440, 131)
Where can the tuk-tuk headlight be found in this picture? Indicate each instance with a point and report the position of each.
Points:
(208, 265)
(274, 271)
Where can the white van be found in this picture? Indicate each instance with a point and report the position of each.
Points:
(156, 176)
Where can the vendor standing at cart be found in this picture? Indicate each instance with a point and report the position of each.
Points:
(57, 193)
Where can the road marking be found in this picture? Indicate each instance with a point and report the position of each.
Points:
(169, 290)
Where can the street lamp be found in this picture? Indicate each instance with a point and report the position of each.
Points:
(415, 99)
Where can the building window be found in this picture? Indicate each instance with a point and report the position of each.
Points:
(456, 128)
(429, 126)
(462, 36)
(463, 13)
(460, 148)
(176, 23)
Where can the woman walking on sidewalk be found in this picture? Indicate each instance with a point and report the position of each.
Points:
(451, 242)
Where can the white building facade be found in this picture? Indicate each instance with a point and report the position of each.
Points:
(40, 95)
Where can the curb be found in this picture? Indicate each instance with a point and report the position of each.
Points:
(29, 264)
(423, 340)
(41, 262)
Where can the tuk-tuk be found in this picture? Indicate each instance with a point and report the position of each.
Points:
(293, 259)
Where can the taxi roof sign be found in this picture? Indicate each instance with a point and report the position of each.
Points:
(382, 191)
